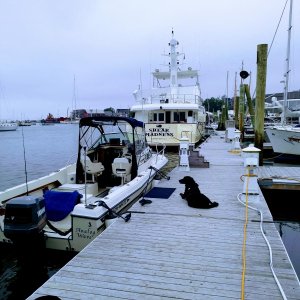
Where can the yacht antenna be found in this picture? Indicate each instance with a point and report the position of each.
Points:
(287, 71)
(84, 149)
(74, 104)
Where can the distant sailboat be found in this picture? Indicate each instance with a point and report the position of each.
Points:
(74, 114)
(284, 138)
(8, 126)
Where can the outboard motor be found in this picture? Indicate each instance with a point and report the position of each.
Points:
(24, 217)
(24, 220)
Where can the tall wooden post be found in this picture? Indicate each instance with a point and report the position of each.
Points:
(242, 110)
(221, 125)
(262, 52)
(236, 110)
(250, 105)
(235, 103)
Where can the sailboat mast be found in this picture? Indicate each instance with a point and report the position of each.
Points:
(74, 116)
(286, 84)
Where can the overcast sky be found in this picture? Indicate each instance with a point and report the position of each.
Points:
(110, 47)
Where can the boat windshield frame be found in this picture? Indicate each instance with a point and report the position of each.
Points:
(93, 137)
(95, 121)
(97, 131)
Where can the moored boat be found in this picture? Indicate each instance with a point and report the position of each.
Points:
(50, 120)
(70, 207)
(285, 138)
(24, 123)
(173, 108)
(8, 126)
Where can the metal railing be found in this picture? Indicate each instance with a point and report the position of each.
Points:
(175, 98)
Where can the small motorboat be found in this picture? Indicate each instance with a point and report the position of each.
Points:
(70, 207)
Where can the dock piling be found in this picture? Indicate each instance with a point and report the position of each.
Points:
(262, 52)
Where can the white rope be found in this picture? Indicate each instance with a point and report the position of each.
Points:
(269, 246)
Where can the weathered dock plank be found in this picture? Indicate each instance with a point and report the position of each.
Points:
(171, 251)
(279, 172)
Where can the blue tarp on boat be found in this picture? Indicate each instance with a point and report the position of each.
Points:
(59, 204)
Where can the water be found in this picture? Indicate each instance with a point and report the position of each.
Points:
(290, 235)
(48, 148)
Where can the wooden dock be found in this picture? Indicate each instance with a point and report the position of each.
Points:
(171, 251)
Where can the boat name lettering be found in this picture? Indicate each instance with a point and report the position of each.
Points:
(85, 233)
(294, 139)
(159, 132)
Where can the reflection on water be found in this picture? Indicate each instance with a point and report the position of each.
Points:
(290, 235)
(22, 274)
(286, 216)
(31, 269)
(25, 282)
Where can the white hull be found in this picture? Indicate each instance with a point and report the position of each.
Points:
(284, 139)
(171, 134)
(5, 126)
(86, 223)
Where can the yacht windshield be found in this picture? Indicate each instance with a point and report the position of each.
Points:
(106, 133)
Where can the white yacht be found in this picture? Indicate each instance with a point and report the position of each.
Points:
(173, 108)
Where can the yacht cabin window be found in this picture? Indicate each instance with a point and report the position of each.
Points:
(159, 117)
(179, 116)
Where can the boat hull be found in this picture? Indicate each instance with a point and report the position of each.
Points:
(8, 126)
(171, 134)
(284, 140)
(87, 219)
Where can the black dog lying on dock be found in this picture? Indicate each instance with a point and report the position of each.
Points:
(193, 196)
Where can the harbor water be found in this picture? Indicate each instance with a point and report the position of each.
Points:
(35, 151)
(26, 154)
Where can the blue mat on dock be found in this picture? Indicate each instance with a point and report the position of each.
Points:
(160, 192)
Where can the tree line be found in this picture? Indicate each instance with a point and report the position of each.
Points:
(214, 104)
